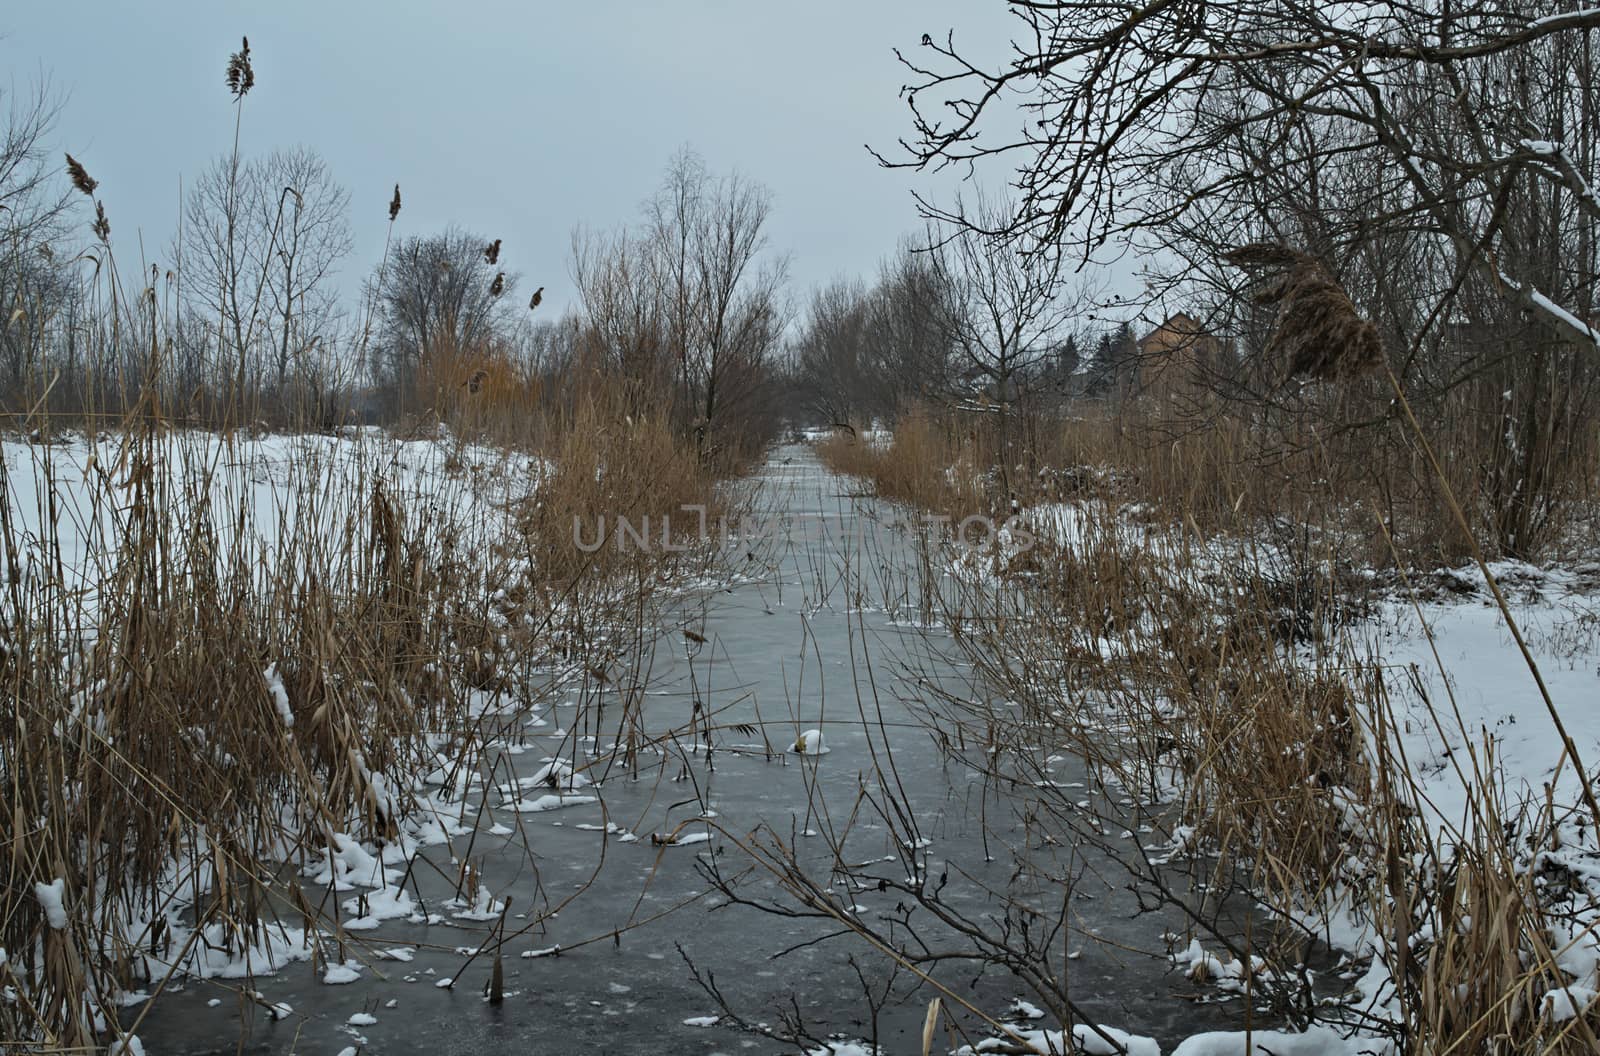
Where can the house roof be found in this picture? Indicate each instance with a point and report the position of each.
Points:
(1179, 330)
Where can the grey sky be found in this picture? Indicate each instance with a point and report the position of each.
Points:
(516, 120)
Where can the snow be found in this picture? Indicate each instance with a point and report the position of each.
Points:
(845, 1048)
(1092, 1040)
(1229, 975)
(1567, 1002)
(1566, 318)
(347, 865)
(362, 1019)
(483, 907)
(57, 492)
(277, 946)
(1471, 713)
(52, 899)
(811, 742)
(280, 696)
(1563, 319)
(390, 903)
(66, 500)
(1317, 1041)
(1483, 689)
(549, 802)
(555, 774)
(1577, 17)
(342, 974)
(1485, 681)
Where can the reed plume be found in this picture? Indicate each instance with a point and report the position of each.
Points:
(241, 76)
(80, 176)
(1318, 331)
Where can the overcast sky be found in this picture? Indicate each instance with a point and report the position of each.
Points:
(514, 120)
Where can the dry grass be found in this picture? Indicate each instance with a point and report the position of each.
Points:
(149, 762)
(224, 667)
(934, 462)
(1331, 464)
(1187, 640)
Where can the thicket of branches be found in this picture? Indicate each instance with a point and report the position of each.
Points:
(1434, 163)
(689, 301)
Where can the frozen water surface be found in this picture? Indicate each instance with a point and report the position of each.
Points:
(606, 867)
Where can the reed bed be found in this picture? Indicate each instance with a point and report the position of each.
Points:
(231, 654)
(1194, 622)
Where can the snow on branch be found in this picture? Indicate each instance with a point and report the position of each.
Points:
(1553, 160)
(1569, 325)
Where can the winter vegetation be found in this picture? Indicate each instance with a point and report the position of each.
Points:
(1232, 640)
(282, 572)
(1310, 564)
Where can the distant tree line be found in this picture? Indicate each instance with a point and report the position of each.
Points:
(956, 320)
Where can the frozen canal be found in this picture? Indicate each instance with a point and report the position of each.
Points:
(826, 634)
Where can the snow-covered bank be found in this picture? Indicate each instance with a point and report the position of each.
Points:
(1446, 819)
(256, 677)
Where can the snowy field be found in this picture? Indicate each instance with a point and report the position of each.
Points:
(262, 492)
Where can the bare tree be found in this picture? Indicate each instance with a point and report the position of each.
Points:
(672, 217)
(309, 213)
(736, 319)
(833, 353)
(218, 254)
(33, 210)
(1116, 100)
(629, 325)
(865, 353)
(260, 242)
(1439, 162)
(1004, 307)
(908, 337)
(1002, 314)
(692, 294)
(440, 296)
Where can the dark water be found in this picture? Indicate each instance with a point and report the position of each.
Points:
(823, 636)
